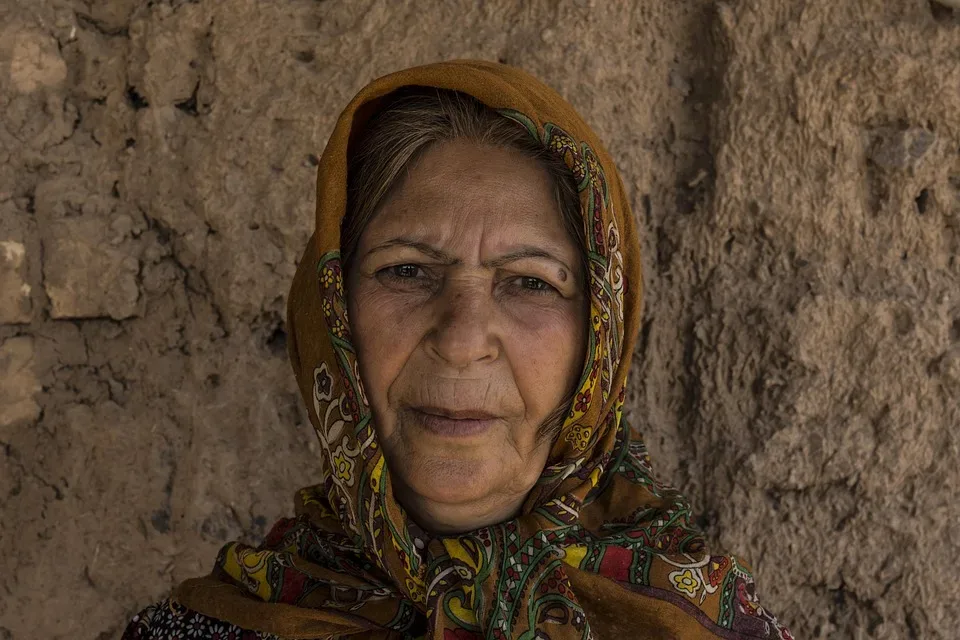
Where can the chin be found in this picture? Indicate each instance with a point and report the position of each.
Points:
(452, 480)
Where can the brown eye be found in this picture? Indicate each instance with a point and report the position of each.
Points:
(406, 277)
(404, 270)
(529, 285)
(534, 284)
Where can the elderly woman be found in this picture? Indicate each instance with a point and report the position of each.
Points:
(461, 328)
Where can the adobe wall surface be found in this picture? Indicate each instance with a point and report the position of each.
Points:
(794, 166)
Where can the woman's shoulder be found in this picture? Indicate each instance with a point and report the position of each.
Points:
(167, 619)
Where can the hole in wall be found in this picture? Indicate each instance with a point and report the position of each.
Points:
(277, 342)
(942, 12)
(305, 56)
(136, 100)
(922, 201)
(189, 106)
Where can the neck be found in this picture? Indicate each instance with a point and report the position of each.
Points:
(451, 519)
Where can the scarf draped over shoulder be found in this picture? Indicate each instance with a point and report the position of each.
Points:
(600, 548)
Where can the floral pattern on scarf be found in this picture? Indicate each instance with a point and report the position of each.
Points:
(597, 508)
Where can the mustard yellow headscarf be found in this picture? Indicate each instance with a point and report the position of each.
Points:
(600, 548)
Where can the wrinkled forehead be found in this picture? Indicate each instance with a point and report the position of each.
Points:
(461, 187)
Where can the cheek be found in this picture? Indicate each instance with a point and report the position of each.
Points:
(385, 331)
(546, 355)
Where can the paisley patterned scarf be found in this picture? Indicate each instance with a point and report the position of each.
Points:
(600, 547)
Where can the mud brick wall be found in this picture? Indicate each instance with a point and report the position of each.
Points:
(794, 166)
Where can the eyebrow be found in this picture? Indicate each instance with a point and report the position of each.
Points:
(524, 251)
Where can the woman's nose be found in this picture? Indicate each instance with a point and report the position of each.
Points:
(462, 333)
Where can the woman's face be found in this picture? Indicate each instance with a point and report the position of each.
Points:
(469, 321)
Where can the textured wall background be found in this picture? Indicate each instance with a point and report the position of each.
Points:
(795, 166)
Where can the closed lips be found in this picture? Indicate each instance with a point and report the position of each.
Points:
(462, 423)
(457, 414)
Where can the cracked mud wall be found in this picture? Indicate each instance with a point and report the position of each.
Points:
(795, 168)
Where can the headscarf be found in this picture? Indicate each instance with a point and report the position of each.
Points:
(600, 548)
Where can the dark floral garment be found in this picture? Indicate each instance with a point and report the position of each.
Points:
(168, 620)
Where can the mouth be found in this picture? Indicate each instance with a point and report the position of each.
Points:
(454, 423)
